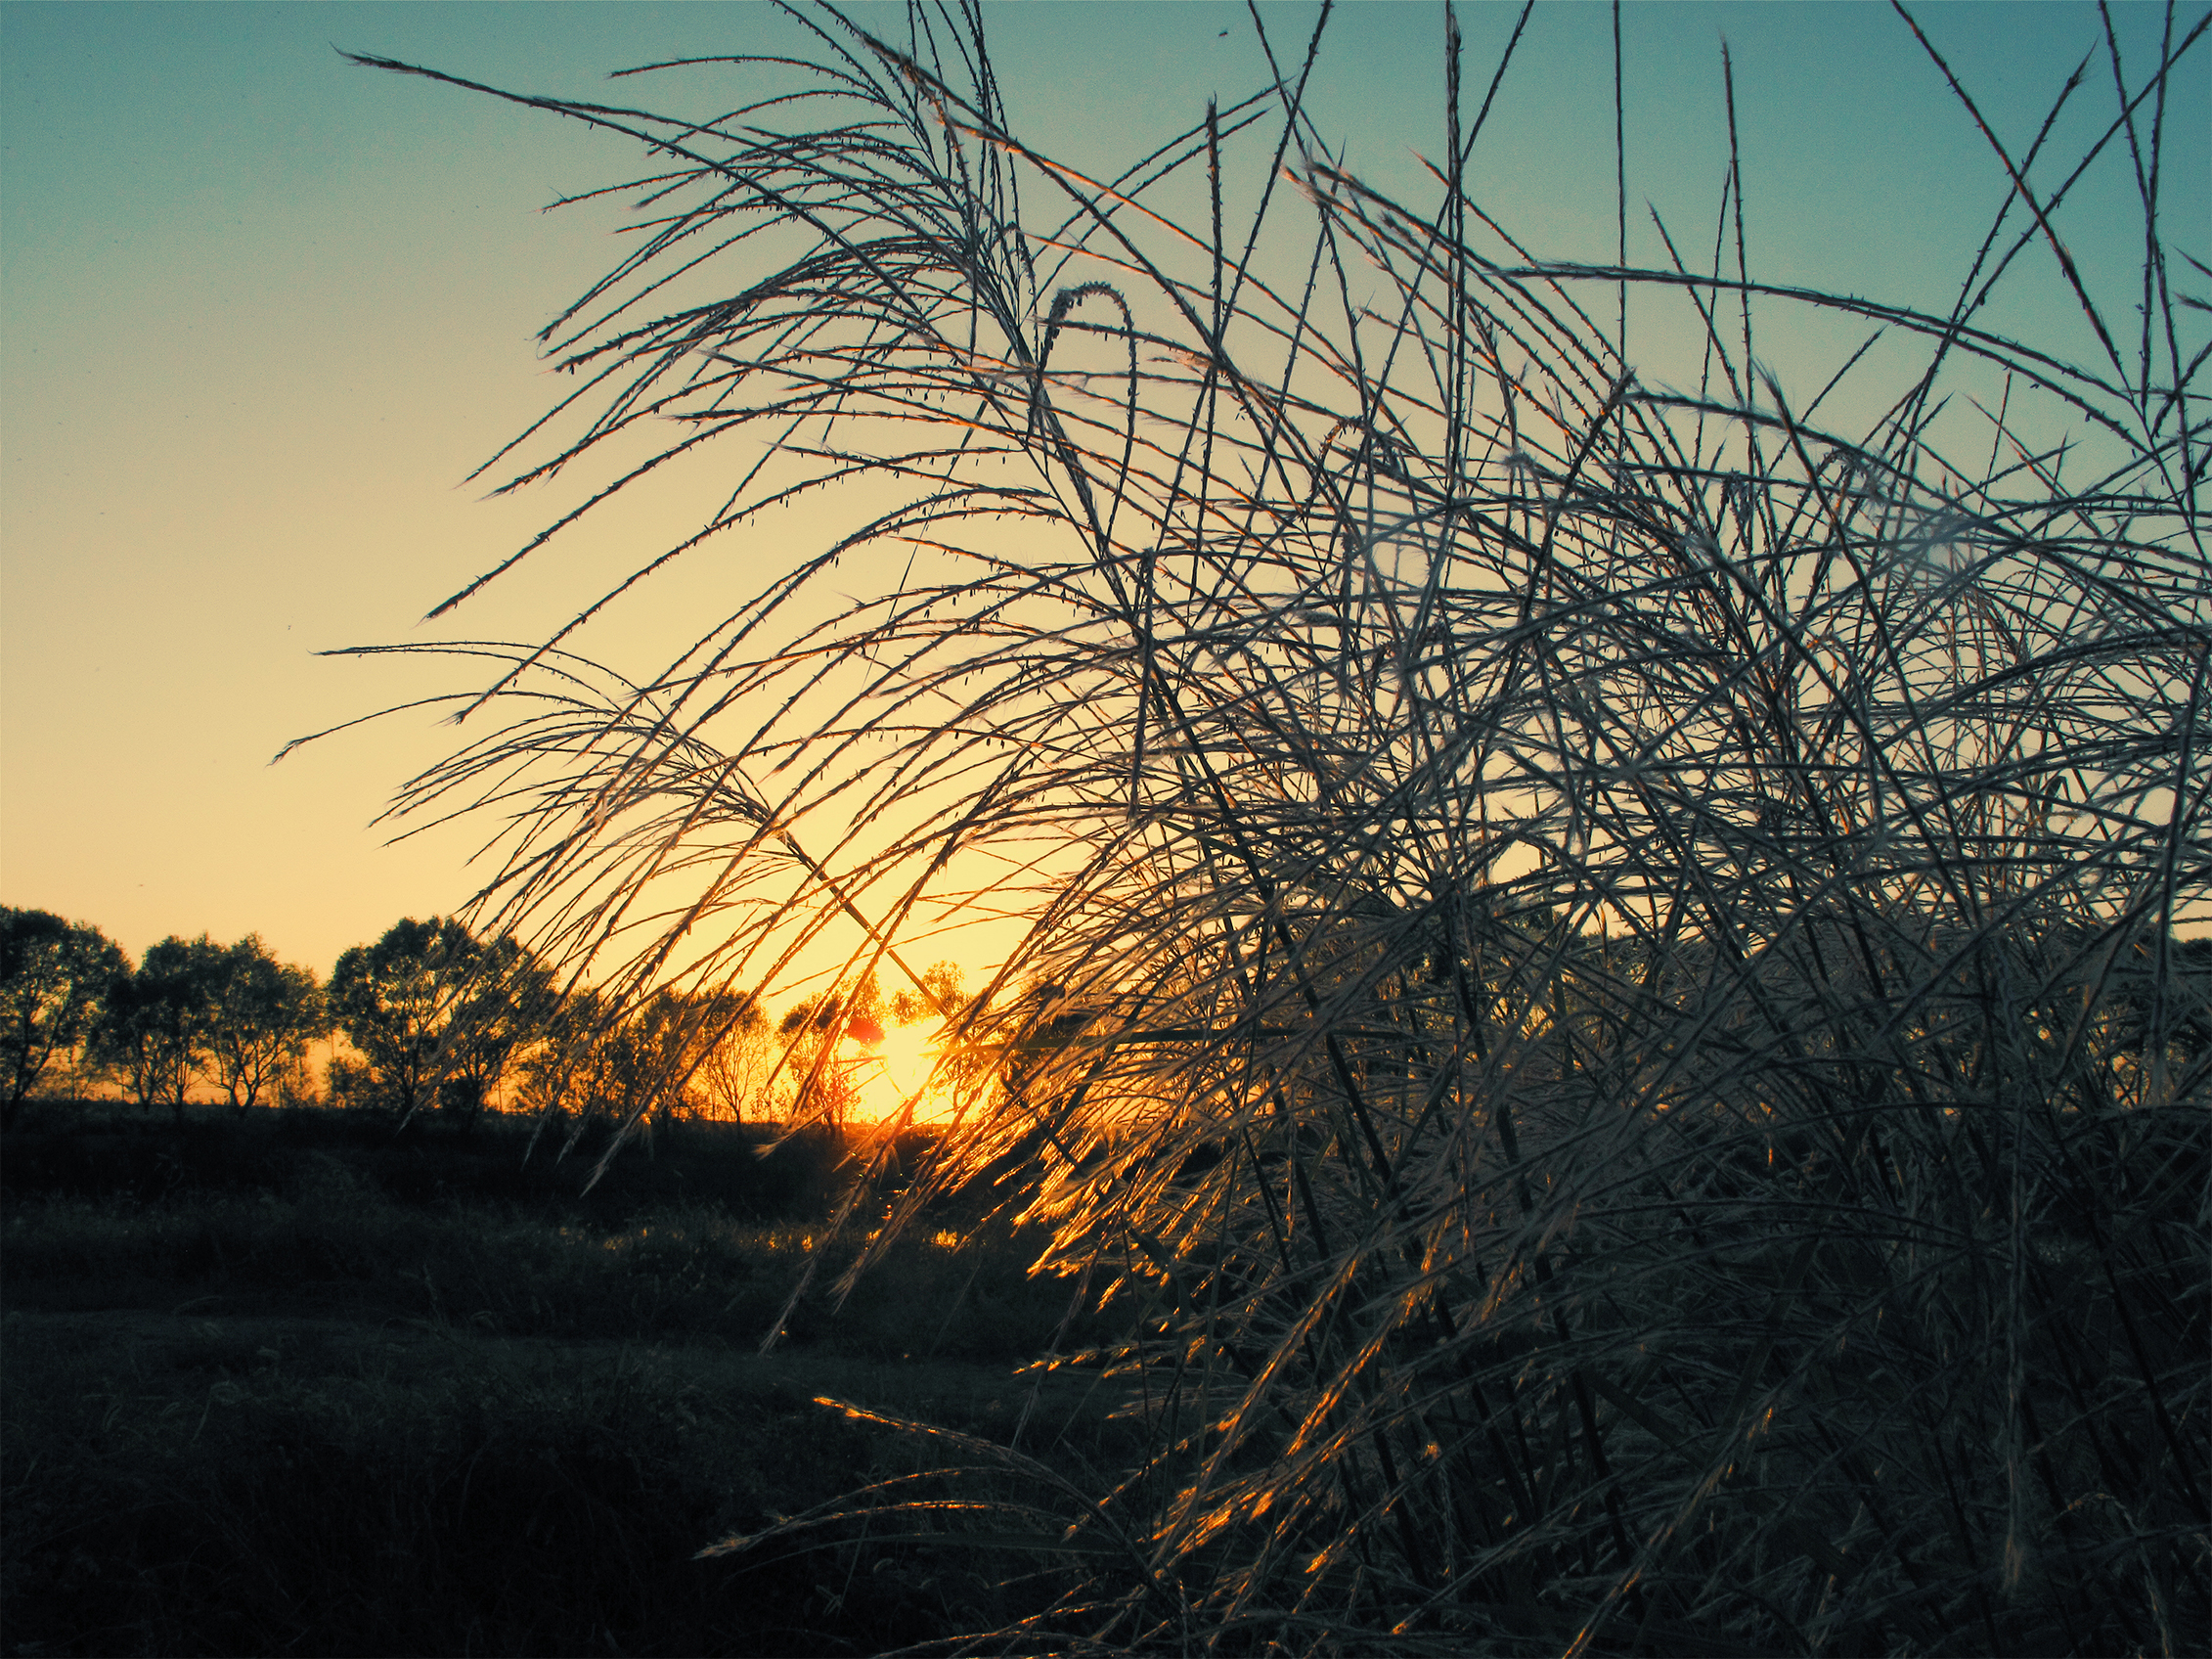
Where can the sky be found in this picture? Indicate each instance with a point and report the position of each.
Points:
(262, 313)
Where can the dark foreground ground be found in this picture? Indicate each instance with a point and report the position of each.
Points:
(259, 1395)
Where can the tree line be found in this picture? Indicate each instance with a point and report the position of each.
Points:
(434, 1017)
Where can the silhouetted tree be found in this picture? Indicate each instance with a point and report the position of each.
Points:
(157, 1022)
(52, 974)
(394, 999)
(741, 1058)
(940, 997)
(436, 1014)
(264, 1014)
(824, 1082)
(636, 1065)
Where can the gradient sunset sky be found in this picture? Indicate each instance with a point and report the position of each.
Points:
(262, 311)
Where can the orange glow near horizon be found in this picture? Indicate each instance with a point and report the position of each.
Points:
(897, 1068)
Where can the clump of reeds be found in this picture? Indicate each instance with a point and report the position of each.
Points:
(1603, 995)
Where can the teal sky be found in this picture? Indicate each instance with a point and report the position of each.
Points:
(261, 312)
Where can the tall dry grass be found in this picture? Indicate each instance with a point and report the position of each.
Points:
(1601, 988)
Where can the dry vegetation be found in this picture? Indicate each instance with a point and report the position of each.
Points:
(1645, 936)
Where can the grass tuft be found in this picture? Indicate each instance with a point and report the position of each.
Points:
(1610, 1007)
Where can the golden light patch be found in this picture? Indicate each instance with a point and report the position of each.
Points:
(898, 1068)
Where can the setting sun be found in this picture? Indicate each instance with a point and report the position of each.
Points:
(896, 1068)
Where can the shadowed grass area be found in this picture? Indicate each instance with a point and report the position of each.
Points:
(333, 1424)
(260, 1485)
(100, 1147)
(676, 1272)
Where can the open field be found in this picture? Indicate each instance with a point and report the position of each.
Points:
(314, 1417)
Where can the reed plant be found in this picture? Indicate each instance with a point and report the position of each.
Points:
(1607, 998)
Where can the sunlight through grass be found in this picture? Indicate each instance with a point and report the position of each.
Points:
(898, 1077)
(1583, 928)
